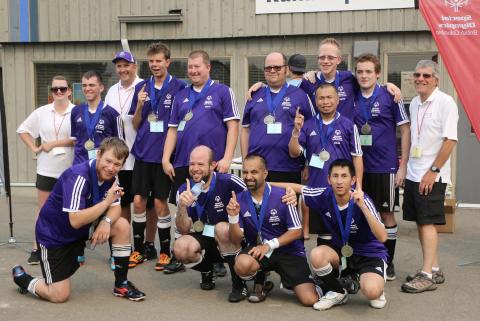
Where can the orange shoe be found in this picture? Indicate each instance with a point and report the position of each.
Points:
(163, 260)
(136, 258)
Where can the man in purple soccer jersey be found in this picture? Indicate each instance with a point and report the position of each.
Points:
(85, 200)
(268, 121)
(325, 138)
(272, 232)
(377, 116)
(151, 107)
(92, 121)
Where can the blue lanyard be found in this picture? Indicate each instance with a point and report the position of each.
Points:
(94, 182)
(91, 123)
(337, 80)
(200, 207)
(153, 97)
(258, 220)
(344, 229)
(272, 105)
(367, 110)
(325, 134)
(192, 100)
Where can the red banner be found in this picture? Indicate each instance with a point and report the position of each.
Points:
(454, 26)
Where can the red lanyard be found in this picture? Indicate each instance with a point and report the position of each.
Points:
(419, 129)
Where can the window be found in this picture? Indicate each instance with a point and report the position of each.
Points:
(256, 64)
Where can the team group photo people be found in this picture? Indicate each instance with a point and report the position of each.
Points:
(322, 153)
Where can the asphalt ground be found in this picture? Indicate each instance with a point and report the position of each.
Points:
(178, 297)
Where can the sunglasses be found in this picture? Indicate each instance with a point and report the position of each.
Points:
(62, 89)
(273, 68)
(425, 76)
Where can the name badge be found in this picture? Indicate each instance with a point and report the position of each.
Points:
(156, 126)
(209, 230)
(59, 151)
(316, 162)
(275, 128)
(92, 154)
(181, 126)
(416, 152)
(366, 140)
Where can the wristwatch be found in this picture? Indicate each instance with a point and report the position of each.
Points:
(107, 219)
(435, 169)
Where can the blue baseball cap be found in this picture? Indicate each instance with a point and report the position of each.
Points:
(125, 55)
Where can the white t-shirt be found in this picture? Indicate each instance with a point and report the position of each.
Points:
(46, 123)
(436, 118)
(120, 98)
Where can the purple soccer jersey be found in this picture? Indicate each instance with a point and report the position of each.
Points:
(208, 124)
(149, 142)
(279, 218)
(381, 156)
(274, 147)
(344, 142)
(214, 208)
(361, 238)
(108, 125)
(71, 193)
(347, 87)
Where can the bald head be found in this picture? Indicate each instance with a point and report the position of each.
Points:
(202, 151)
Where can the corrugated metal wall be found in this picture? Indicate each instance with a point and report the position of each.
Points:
(94, 20)
(19, 59)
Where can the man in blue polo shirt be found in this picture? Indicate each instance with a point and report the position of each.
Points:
(93, 121)
(272, 232)
(378, 116)
(85, 198)
(268, 121)
(204, 113)
(151, 107)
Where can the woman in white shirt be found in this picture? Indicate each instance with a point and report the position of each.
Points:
(50, 123)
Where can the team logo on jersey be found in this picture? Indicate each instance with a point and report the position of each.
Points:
(273, 219)
(286, 103)
(337, 138)
(327, 214)
(247, 214)
(260, 100)
(79, 120)
(313, 133)
(208, 103)
(185, 100)
(456, 4)
(217, 198)
(341, 93)
(376, 109)
(168, 101)
(100, 126)
(218, 203)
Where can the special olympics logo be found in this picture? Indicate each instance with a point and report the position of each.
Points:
(456, 4)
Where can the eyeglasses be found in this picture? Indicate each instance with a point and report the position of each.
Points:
(62, 89)
(329, 58)
(425, 76)
(273, 68)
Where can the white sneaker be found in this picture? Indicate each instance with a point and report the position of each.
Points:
(331, 299)
(378, 303)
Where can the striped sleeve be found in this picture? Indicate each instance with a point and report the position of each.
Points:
(75, 192)
(401, 116)
(311, 195)
(293, 221)
(230, 108)
(371, 207)
(238, 184)
(355, 144)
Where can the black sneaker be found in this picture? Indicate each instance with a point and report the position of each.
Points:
(150, 252)
(207, 283)
(391, 272)
(238, 293)
(21, 278)
(174, 267)
(350, 283)
(34, 258)
(129, 291)
(219, 270)
(260, 292)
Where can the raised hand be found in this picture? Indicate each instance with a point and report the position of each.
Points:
(299, 120)
(233, 207)
(142, 96)
(187, 198)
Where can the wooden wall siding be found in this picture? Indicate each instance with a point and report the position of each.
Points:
(19, 59)
(94, 20)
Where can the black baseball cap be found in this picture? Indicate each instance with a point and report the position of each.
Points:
(297, 63)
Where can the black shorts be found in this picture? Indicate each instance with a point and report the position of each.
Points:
(286, 177)
(293, 270)
(149, 177)
(45, 183)
(60, 263)
(181, 174)
(363, 264)
(315, 223)
(125, 180)
(381, 188)
(212, 254)
(424, 209)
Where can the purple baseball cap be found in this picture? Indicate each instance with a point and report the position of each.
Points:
(125, 55)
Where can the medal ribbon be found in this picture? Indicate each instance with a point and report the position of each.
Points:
(200, 207)
(258, 220)
(91, 123)
(344, 229)
(94, 182)
(272, 105)
(192, 100)
(153, 97)
(367, 110)
(336, 83)
(325, 134)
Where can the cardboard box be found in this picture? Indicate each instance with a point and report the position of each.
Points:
(450, 207)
